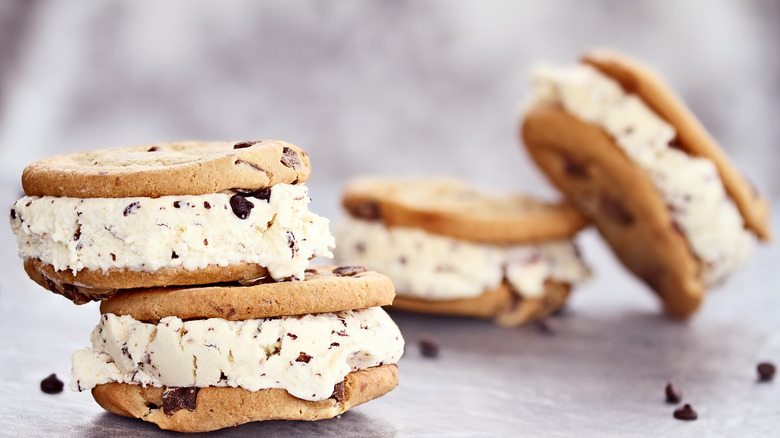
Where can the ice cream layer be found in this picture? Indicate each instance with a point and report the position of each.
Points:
(275, 230)
(434, 267)
(690, 186)
(306, 355)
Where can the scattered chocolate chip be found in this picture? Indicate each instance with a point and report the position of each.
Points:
(176, 204)
(338, 391)
(13, 214)
(675, 143)
(614, 210)
(545, 326)
(250, 164)
(429, 348)
(222, 376)
(174, 255)
(130, 209)
(685, 413)
(368, 210)
(206, 205)
(333, 344)
(245, 144)
(153, 149)
(766, 371)
(311, 271)
(241, 206)
(206, 242)
(292, 243)
(303, 357)
(77, 234)
(264, 194)
(348, 271)
(290, 158)
(672, 395)
(113, 257)
(51, 385)
(574, 169)
(292, 336)
(176, 399)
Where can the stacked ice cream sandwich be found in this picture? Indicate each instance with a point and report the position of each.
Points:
(199, 254)
(455, 250)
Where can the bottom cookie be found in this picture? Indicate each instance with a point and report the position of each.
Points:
(212, 408)
(505, 306)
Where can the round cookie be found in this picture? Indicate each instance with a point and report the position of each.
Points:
(216, 408)
(452, 208)
(601, 179)
(325, 289)
(160, 169)
(502, 304)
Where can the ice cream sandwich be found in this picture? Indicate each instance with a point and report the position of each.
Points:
(633, 158)
(456, 250)
(167, 214)
(195, 359)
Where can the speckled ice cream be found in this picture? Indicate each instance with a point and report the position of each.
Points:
(691, 186)
(306, 356)
(146, 234)
(433, 267)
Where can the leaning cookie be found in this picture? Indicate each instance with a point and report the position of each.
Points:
(248, 353)
(167, 214)
(452, 249)
(629, 154)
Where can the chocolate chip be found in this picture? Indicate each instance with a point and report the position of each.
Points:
(206, 205)
(685, 413)
(245, 144)
(333, 344)
(250, 164)
(241, 206)
(292, 336)
(51, 385)
(303, 357)
(290, 158)
(205, 242)
(130, 209)
(13, 214)
(348, 271)
(176, 204)
(338, 391)
(176, 399)
(77, 234)
(311, 271)
(368, 210)
(766, 371)
(264, 194)
(672, 395)
(153, 149)
(574, 169)
(174, 255)
(360, 248)
(113, 257)
(614, 210)
(291, 243)
(675, 144)
(429, 348)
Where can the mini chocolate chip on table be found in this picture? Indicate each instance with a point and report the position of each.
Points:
(51, 385)
(685, 413)
(766, 371)
(429, 348)
(672, 395)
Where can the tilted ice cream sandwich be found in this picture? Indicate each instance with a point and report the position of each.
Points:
(452, 249)
(629, 154)
(167, 214)
(203, 358)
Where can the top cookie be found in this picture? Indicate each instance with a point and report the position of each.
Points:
(692, 137)
(452, 208)
(161, 169)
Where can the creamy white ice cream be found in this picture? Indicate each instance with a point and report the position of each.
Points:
(435, 267)
(690, 185)
(306, 356)
(146, 234)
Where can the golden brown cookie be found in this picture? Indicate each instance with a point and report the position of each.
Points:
(325, 289)
(160, 169)
(588, 165)
(215, 408)
(502, 304)
(452, 208)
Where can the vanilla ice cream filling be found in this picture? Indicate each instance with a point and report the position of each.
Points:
(277, 232)
(690, 186)
(304, 355)
(435, 267)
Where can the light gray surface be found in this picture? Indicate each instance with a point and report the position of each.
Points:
(601, 374)
(405, 87)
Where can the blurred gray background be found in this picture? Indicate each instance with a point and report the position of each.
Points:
(401, 87)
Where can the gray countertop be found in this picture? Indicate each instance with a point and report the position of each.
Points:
(602, 372)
